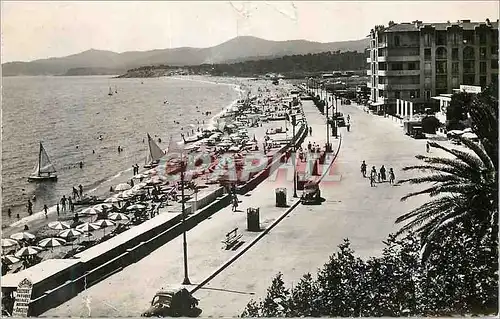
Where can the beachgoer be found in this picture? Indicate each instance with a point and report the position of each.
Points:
(348, 117)
(119, 149)
(310, 131)
(80, 187)
(17, 216)
(391, 176)
(427, 147)
(382, 173)
(131, 183)
(235, 202)
(45, 208)
(348, 127)
(57, 208)
(309, 146)
(93, 152)
(81, 164)
(373, 174)
(26, 227)
(33, 198)
(30, 208)
(111, 189)
(63, 202)
(9, 213)
(70, 203)
(75, 193)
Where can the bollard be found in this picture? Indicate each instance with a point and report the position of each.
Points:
(253, 222)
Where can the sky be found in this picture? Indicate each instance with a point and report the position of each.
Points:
(41, 29)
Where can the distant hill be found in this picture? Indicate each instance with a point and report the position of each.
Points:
(239, 49)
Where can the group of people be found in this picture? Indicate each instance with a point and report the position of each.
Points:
(380, 176)
(136, 169)
(78, 192)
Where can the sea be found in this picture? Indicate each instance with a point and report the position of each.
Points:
(69, 114)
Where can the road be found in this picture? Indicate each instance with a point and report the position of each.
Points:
(301, 243)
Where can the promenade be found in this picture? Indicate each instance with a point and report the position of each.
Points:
(300, 243)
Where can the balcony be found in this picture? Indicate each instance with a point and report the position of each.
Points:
(401, 87)
(398, 73)
(368, 72)
(381, 58)
(383, 86)
(403, 58)
(368, 60)
(382, 45)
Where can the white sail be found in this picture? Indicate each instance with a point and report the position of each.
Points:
(154, 151)
(44, 164)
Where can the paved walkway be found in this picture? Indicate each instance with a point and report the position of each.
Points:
(301, 243)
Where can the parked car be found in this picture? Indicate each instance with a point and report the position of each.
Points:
(311, 194)
(176, 302)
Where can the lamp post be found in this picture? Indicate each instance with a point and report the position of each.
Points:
(294, 157)
(184, 239)
(336, 126)
(327, 148)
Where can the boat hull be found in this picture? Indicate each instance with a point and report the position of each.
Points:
(42, 178)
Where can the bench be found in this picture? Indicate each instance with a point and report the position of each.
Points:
(232, 238)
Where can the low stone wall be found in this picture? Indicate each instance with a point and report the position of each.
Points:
(202, 201)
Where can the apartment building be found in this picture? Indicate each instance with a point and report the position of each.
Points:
(415, 61)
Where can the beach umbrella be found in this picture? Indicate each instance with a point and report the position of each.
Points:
(22, 236)
(89, 211)
(28, 251)
(122, 187)
(51, 242)
(59, 225)
(103, 223)
(118, 216)
(7, 242)
(112, 200)
(86, 227)
(141, 175)
(455, 132)
(136, 206)
(469, 135)
(100, 207)
(10, 259)
(70, 233)
(125, 194)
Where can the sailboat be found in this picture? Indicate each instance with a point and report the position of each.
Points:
(44, 170)
(110, 91)
(153, 154)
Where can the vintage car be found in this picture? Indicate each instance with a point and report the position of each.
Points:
(175, 302)
(311, 194)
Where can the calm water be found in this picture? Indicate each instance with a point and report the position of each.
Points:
(66, 112)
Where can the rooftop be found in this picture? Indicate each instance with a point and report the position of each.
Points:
(418, 25)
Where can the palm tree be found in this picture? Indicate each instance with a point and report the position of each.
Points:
(464, 189)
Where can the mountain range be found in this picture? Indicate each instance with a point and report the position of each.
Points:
(235, 50)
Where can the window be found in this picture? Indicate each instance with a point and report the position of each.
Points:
(482, 53)
(482, 81)
(469, 79)
(382, 66)
(454, 82)
(494, 36)
(468, 37)
(455, 68)
(441, 38)
(469, 53)
(397, 66)
(413, 66)
(454, 38)
(427, 54)
(494, 64)
(427, 82)
(396, 41)
(469, 67)
(494, 49)
(482, 67)
(441, 67)
(427, 40)
(441, 81)
(428, 95)
(482, 38)
(441, 53)
(454, 54)
(397, 94)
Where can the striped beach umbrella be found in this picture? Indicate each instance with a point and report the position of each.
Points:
(85, 227)
(28, 251)
(10, 259)
(112, 200)
(51, 242)
(118, 217)
(136, 206)
(103, 223)
(122, 187)
(7, 242)
(89, 211)
(59, 225)
(70, 233)
(22, 236)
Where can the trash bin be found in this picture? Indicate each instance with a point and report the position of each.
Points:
(280, 197)
(253, 222)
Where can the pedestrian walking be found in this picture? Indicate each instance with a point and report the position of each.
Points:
(373, 175)
(348, 127)
(382, 173)
(348, 118)
(9, 213)
(363, 169)
(63, 203)
(45, 208)
(235, 202)
(427, 147)
(30, 207)
(310, 131)
(391, 176)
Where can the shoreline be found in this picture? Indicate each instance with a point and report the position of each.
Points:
(37, 219)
